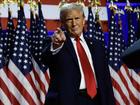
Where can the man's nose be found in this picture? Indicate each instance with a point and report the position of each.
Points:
(74, 22)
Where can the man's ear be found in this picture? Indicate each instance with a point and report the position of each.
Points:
(84, 22)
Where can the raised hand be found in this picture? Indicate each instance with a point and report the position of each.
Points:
(58, 38)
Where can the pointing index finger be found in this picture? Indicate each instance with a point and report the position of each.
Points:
(59, 31)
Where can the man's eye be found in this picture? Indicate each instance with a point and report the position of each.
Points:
(68, 19)
(77, 18)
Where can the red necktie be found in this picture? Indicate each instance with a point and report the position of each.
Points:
(87, 70)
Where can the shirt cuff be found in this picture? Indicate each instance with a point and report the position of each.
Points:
(55, 51)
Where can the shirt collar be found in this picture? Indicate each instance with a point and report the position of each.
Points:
(81, 37)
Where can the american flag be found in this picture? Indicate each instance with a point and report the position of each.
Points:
(138, 25)
(91, 24)
(19, 79)
(5, 53)
(125, 89)
(94, 29)
(9, 37)
(131, 29)
(4, 91)
(122, 46)
(3, 38)
(22, 80)
(98, 30)
(39, 35)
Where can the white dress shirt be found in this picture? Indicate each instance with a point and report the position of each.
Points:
(83, 42)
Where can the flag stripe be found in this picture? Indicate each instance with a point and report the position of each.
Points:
(39, 93)
(134, 91)
(43, 78)
(26, 90)
(119, 93)
(126, 80)
(47, 76)
(5, 87)
(118, 80)
(31, 78)
(13, 90)
(38, 79)
(125, 88)
(119, 86)
(21, 88)
(3, 98)
(40, 83)
(118, 97)
(133, 75)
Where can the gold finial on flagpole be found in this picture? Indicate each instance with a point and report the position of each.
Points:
(112, 6)
(33, 5)
(62, 2)
(8, 2)
(128, 6)
(20, 3)
(97, 3)
(81, 2)
(94, 2)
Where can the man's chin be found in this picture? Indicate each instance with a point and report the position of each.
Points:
(75, 34)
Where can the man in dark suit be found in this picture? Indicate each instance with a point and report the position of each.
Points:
(131, 56)
(79, 73)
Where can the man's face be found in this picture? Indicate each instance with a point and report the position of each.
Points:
(74, 22)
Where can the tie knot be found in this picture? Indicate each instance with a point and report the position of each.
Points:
(77, 39)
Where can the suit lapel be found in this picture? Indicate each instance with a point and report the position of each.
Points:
(70, 48)
(91, 47)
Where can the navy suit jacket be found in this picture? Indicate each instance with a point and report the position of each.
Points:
(65, 74)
